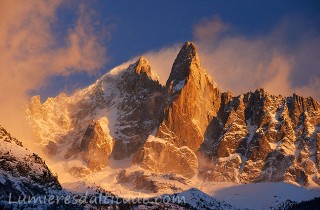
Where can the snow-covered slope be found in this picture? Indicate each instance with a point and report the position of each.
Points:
(263, 195)
(213, 195)
(124, 102)
(23, 172)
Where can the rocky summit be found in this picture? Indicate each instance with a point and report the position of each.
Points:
(187, 127)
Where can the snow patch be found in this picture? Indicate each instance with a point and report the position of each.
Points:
(179, 85)
(263, 195)
(152, 138)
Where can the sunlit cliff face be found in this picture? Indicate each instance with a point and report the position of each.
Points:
(32, 53)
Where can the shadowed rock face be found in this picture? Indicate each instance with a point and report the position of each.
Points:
(131, 102)
(181, 68)
(247, 138)
(260, 137)
(151, 182)
(21, 171)
(139, 109)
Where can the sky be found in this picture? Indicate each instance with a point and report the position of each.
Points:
(132, 28)
(48, 47)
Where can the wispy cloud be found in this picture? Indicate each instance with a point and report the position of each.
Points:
(241, 63)
(161, 61)
(31, 53)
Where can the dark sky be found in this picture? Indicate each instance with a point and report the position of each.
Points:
(131, 28)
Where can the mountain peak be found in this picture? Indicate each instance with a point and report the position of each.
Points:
(186, 58)
(188, 54)
(142, 66)
(188, 51)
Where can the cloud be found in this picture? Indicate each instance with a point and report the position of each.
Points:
(241, 63)
(209, 30)
(31, 53)
(161, 61)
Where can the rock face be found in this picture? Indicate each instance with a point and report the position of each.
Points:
(128, 100)
(191, 103)
(96, 146)
(147, 182)
(22, 172)
(159, 155)
(259, 137)
(192, 100)
(191, 125)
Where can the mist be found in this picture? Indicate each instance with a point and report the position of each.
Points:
(239, 63)
(31, 54)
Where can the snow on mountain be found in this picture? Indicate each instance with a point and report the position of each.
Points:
(23, 172)
(263, 195)
(257, 137)
(124, 98)
(187, 127)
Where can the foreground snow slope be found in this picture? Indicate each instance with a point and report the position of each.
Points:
(21, 171)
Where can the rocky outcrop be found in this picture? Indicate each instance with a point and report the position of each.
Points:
(23, 172)
(193, 101)
(96, 146)
(138, 109)
(152, 182)
(128, 98)
(161, 156)
(263, 138)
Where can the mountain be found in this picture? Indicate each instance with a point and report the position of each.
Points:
(186, 127)
(257, 137)
(120, 110)
(190, 104)
(23, 172)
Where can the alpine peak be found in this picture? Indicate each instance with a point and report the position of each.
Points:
(188, 53)
(142, 66)
(186, 61)
(189, 50)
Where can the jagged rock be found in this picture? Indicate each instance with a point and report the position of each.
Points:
(192, 101)
(79, 172)
(151, 182)
(130, 98)
(164, 157)
(309, 167)
(23, 172)
(247, 138)
(140, 181)
(318, 151)
(265, 132)
(96, 146)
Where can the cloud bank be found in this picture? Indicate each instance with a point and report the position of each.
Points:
(239, 63)
(31, 53)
